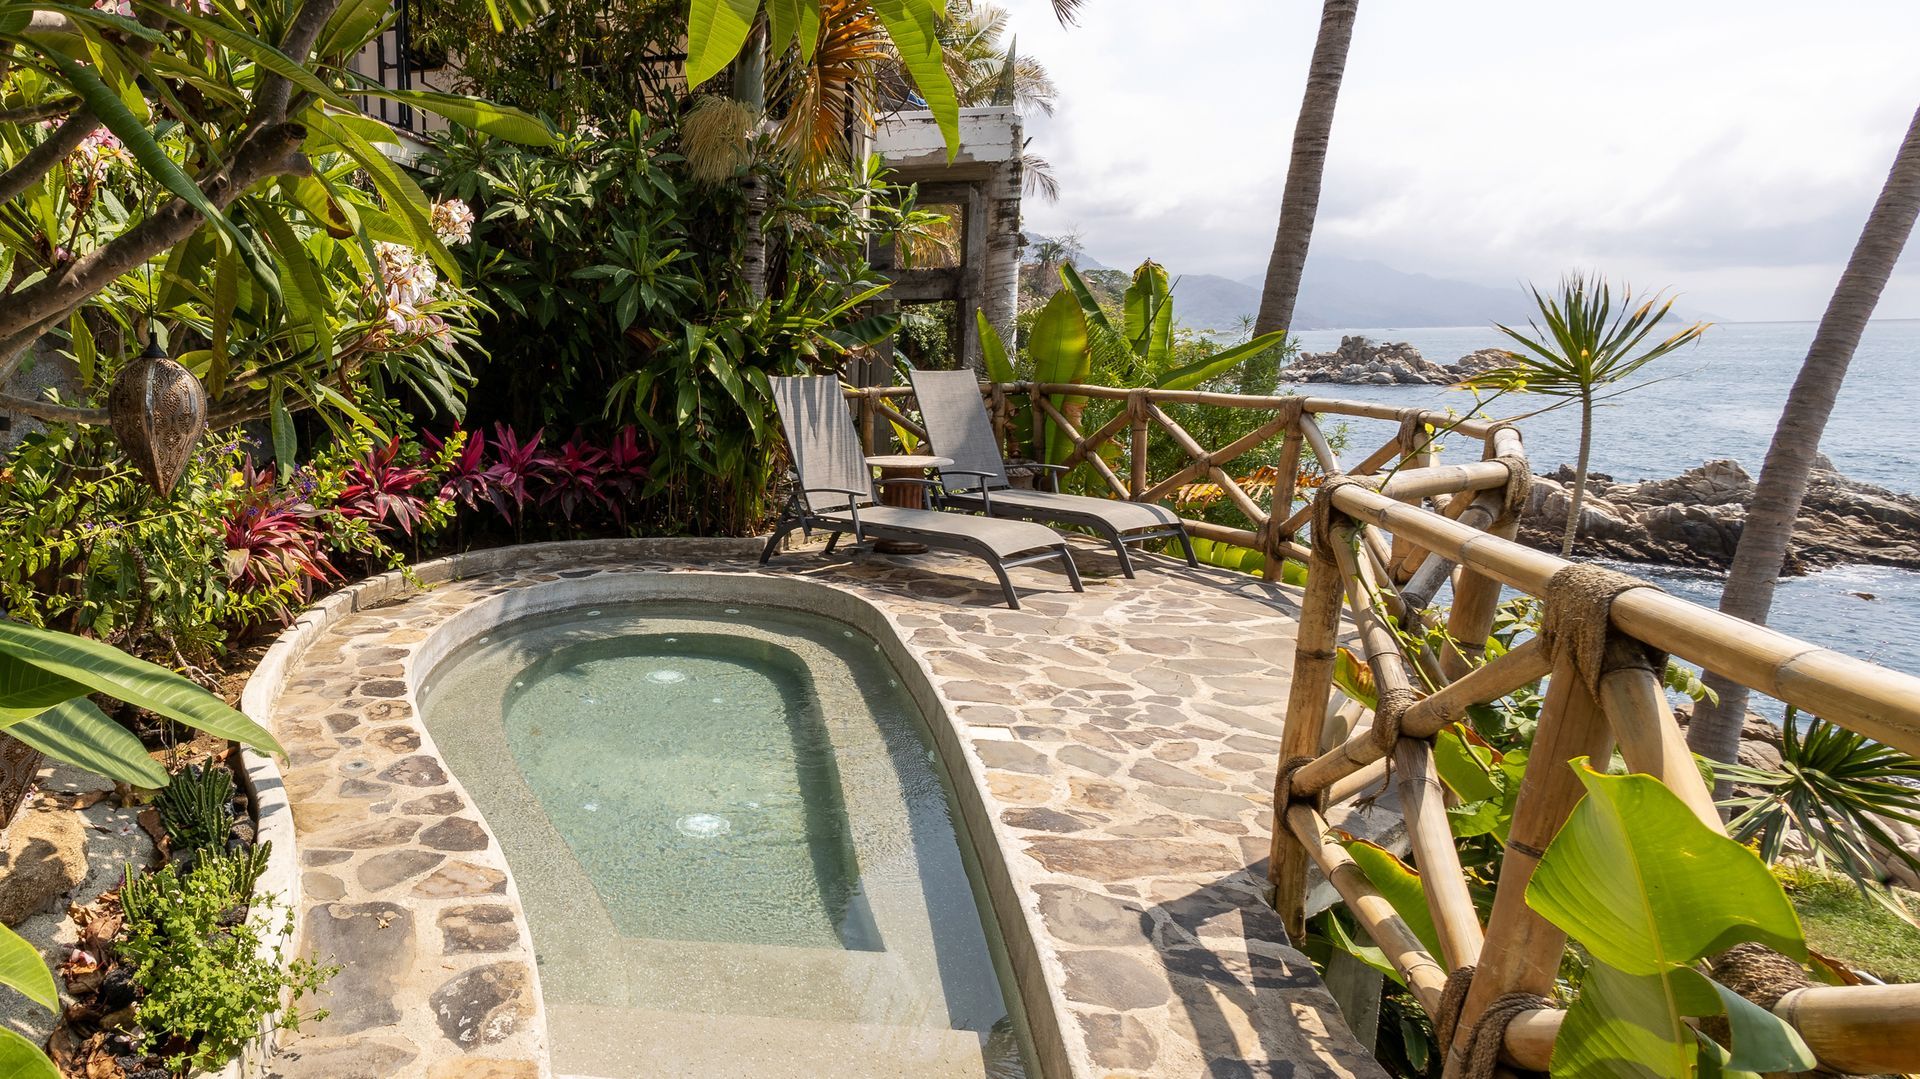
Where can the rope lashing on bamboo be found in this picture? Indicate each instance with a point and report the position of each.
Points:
(1388, 708)
(1324, 510)
(1481, 1056)
(1757, 973)
(1413, 426)
(1283, 785)
(1519, 477)
(1579, 599)
(1289, 410)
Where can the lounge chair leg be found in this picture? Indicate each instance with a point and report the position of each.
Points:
(1006, 583)
(773, 543)
(1073, 571)
(1120, 550)
(833, 540)
(1186, 544)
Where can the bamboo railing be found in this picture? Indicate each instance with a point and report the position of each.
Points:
(1387, 531)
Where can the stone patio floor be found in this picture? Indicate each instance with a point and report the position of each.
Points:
(1123, 741)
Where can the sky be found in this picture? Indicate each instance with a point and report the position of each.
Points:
(1727, 150)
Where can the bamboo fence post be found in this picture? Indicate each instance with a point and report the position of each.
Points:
(1318, 634)
(1636, 705)
(1476, 597)
(1424, 804)
(1137, 454)
(1522, 952)
(997, 410)
(1416, 453)
(1034, 400)
(1280, 503)
(868, 425)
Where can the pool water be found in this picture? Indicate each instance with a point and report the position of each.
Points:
(733, 842)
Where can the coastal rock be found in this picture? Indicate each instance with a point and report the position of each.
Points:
(1695, 519)
(1359, 361)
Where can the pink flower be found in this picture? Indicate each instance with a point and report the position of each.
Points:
(453, 221)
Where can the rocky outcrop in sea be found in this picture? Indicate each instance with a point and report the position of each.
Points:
(1695, 518)
(1360, 362)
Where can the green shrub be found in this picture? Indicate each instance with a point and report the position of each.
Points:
(197, 807)
(196, 943)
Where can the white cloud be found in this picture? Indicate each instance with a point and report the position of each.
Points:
(1730, 151)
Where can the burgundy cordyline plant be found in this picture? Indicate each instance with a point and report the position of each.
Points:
(271, 540)
(383, 489)
(577, 474)
(626, 471)
(519, 468)
(468, 481)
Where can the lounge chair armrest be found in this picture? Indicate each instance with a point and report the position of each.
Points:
(1053, 473)
(848, 491)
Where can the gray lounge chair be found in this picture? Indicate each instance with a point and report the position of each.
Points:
(958, 428)
(833, 491)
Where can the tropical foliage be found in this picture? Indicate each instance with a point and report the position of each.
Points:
(202, 176)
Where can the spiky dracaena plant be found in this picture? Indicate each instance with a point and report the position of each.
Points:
(1587, 346)
(1839, 790)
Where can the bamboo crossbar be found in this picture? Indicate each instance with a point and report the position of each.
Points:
(1852, 1029)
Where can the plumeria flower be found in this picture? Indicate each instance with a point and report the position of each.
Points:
(453, 221)
(122, 8)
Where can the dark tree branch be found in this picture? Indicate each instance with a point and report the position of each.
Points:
(270, 102)
(33, 114)
(40, 160)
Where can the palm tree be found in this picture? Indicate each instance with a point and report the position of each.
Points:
(1300, 201)
(1757, 561)
(1585, 348)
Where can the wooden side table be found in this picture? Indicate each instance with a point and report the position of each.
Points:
(895, 468)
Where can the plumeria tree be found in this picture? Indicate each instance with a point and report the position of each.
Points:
(198, 173)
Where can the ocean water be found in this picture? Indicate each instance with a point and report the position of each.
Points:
(1722, 398)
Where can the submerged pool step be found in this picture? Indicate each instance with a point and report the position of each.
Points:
(875, 988)
(636, 1042)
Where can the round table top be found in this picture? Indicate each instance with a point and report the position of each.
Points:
(909, 460)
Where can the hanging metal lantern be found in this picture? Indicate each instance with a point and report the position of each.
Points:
(158, 410)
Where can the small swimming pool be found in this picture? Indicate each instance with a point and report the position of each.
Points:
(734, 844)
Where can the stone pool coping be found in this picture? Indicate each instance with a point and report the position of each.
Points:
(1141, 945)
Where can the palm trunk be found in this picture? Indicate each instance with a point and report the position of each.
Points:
(1301, 199)
(1579, 477)
(1715, 731)
(750, 89)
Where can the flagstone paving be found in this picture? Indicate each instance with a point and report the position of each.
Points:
(1118, 747)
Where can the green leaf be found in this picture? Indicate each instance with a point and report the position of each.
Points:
(79, 733)
(1057, 344)
(26, 690)
(1399, 884)
(1147, 313)
(716, 29)
(21, 1059)
(1465, 767)
(993, 350)
(85, 356)
(1646, 887)
(499, 121)
(1372, 956)
(913, 26)
(22, 969)
(286, 444)
(308, 300)
(1202, 371)
(1624, 1026)
(105, 669)
(1762, 1041)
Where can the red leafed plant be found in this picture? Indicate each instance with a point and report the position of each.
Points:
(626, 470)
(271, 539)
(577, 476)
(519, 467)
(468, 480)
(382, 489)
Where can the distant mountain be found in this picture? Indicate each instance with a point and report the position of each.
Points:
(1340, 293)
